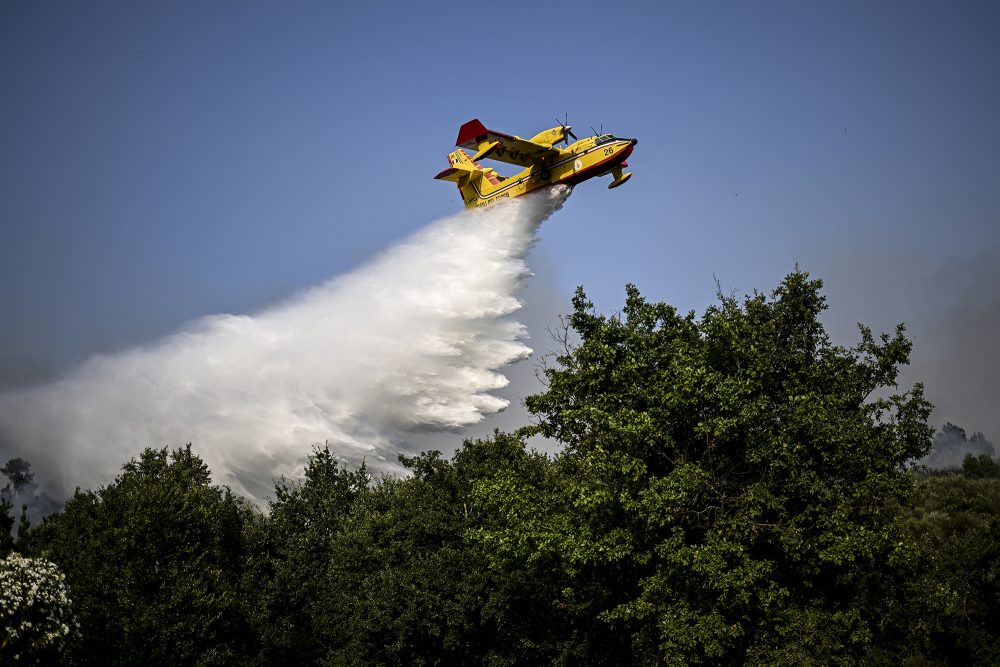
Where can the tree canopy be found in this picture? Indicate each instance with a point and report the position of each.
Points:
(729, 475)
(154, 563)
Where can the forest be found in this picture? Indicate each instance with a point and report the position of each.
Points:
(732, 488)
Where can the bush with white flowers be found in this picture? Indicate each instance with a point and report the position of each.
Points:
(36, 614)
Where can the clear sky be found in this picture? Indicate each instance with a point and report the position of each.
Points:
(164, 161)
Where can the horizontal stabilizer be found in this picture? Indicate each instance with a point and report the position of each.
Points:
(462, 170)
(450, 174)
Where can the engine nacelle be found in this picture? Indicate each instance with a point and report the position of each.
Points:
(550, 137)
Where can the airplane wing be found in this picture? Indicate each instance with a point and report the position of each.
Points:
(499, 146)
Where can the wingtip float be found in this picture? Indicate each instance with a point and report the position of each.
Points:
(544, 163)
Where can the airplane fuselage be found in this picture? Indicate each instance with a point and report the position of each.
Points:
(582, 160)
(543, 163)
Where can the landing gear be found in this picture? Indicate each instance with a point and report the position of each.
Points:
(544, 174)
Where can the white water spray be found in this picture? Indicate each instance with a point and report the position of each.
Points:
(411, 341)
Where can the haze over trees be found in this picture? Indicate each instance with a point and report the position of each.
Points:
(951, 447)
(731, 488)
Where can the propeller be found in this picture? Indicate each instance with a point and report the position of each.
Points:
(567, 129)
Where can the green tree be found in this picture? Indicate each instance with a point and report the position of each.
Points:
(23, 527)
(155, 562)
(983, 466)
(954, 601)
(6, 527)
(21, 481)
(409, 588)
(722, 493)
(20, 486)
(367, 571)
(305, 518)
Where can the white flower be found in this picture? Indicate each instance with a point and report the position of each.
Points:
(34, 600)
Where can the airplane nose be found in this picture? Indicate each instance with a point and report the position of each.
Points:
(635, 141)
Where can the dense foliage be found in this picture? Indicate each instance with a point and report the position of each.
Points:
(730, 475)
(954, 518)
(730, 489)
(154, 564)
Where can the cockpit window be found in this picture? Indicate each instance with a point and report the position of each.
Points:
(604, 138)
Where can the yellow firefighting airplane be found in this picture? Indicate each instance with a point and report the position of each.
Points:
(544, 163)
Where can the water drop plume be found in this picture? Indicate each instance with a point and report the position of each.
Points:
(412, 340)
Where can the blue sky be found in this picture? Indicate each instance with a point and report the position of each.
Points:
(163, 162)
